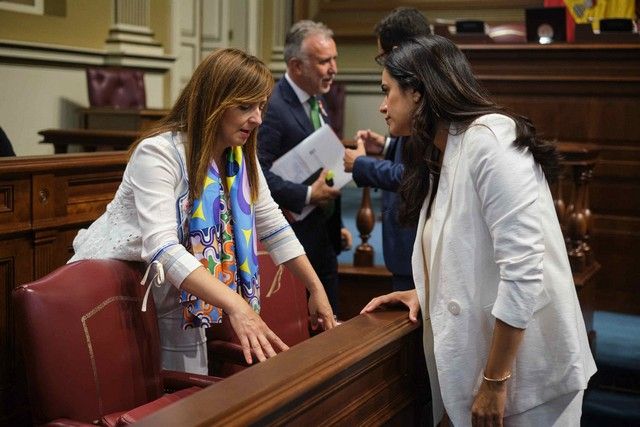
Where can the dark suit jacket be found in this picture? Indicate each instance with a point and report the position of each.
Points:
(6, 149)
(386, 174)
(284, 126)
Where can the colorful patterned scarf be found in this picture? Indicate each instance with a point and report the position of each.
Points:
(222, 237)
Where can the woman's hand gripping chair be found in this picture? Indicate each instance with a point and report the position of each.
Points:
(91, 354)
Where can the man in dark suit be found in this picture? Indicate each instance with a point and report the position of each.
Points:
(386, 174)
(293, 113)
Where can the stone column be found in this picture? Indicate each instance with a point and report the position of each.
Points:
(130, 33)
(282, 15)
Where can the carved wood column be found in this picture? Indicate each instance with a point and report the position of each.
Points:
(365, 221)
(576, 222)
(576, 219)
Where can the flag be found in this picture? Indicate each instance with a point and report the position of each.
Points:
(570, 23)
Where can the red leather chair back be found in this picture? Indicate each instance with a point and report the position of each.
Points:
(284, 310)
(88, 349)
(116, 87)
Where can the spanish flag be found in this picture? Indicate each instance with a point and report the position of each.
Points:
(592, 11)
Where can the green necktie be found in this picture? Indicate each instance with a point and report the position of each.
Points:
(315, 120)
(315, 112)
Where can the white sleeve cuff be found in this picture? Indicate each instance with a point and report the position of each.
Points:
(177, 263)
(387, 141)
(283, 245)
(307, 200)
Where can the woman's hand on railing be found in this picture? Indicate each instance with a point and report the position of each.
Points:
(408, 298)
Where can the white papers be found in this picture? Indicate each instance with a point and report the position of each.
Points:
(320, 150)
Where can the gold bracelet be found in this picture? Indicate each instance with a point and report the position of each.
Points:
(496, 380)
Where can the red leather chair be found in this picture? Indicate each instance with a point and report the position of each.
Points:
(116, 87)
(283, 302)
(91, 355)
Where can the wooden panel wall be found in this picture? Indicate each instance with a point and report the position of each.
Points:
(588, 94)
(353, 20)
(44, 200)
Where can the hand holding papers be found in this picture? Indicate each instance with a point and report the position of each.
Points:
(320, 150)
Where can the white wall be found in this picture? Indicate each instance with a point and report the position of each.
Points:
(37, 97)
(362, 102)
(361, 112)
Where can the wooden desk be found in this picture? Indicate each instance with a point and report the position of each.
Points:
(119, 118)
(89, 139)
(103, 129)
(44, 201)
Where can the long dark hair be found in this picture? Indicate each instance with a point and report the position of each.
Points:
(435, 67)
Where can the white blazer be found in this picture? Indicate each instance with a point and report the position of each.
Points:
(497, 252)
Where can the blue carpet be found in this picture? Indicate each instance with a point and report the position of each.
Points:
(617, 339)
(603, 408)
(613, 396)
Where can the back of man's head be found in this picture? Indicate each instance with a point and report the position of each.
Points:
(400, 25)
(298, 33)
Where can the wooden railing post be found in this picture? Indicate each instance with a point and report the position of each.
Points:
(363, 256)
(576, 220)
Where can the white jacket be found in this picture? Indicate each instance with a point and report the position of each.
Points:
(497, 251)
(147, 219)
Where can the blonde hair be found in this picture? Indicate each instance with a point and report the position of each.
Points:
(225, 79)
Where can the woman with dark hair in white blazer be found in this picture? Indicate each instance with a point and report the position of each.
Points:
(504, 336)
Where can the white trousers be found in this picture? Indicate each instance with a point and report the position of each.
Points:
(563, 411)
(181, 350)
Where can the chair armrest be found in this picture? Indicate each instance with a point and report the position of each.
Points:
(228, 352)
(66, 422)
(135, 415)
(175, 380)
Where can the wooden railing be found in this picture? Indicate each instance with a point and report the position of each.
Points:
(368, 371)
(44, 200)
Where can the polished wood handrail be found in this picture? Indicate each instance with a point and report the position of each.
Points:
(89, 139)
(336, 376)
(60, 162)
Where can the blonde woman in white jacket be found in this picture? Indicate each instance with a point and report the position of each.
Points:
(192, 205)
(504, 337)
